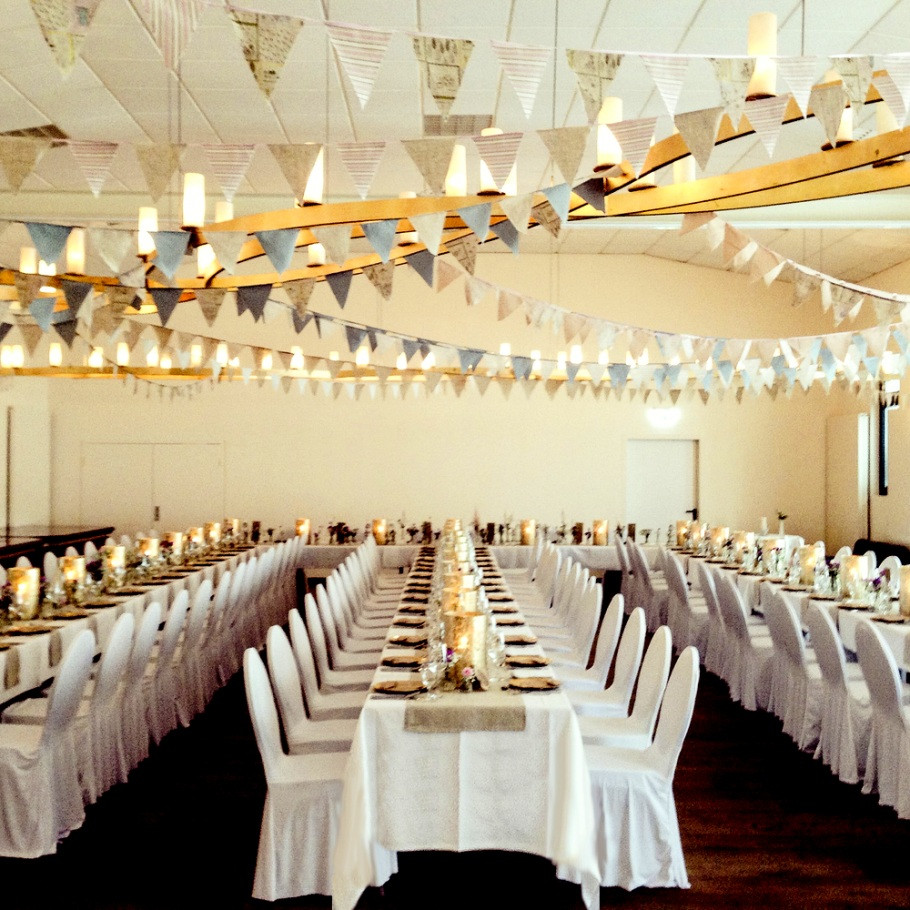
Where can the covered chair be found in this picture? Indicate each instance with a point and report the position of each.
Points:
(40, 794)
(638, 842)
(595, 677)
(302, 804)
(888, 758)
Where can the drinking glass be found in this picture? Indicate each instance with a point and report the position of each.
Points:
(430, 671)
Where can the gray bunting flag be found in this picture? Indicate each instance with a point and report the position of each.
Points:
(340, 283)
(253, 298)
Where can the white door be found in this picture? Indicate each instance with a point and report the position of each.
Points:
(661, 482)
(846, 479)
(188, 484)
(116, 486)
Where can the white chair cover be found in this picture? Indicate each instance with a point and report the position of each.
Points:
(89, 551)
(892, 565)
(165, 673)
(341, 680)
(191, 698)
(137, 694)
(595, 677)
(23, 562)
(51, 568)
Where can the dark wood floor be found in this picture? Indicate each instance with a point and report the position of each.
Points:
(762, 825)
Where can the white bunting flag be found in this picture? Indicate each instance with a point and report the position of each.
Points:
(443, 62)
(94, 160)
(112, 246)
(266, 41)
(226, 246)
(856, 71)
(799, 74)
(892, 97)
(360, 52)
(336, 238)
(566, 145)
(361, 160)
(498, 153)
(828, 101)
(429, 229)
(699, 131)
(518, 210)
(634, 138)
(668, 72)
(766, 116)
(733, 76)
(229, 164)
(432, 156)
(595, 72)
(898, 67)
(524, 66)
(172, 23)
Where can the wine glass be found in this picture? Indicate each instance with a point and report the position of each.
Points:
(430, 671)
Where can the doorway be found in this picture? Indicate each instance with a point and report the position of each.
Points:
(661, 482)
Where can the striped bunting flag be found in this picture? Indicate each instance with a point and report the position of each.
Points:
(524, 65)
(360, 52)
(229, 164)
(498, 153)
(172, 23)
(94, 160)
(361, 159)
(668, 72)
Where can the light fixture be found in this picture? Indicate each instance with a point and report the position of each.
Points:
(152, 358)
(205, 260)
(75, 252)
(28, 260)
(296, 358)
(401, 362)
(488, 185)
(17, 356)
(561, 360)
(47, 269)
(221, 354)
(315, 184)
(762, 45)
(609, 152)
(193, 201)
(457, 175)
(333, 355)
(663, 418)
(6, 359)
(315, 255)
(224, 210)
(267, 360)
(408, 238)
(195, 355)
(505, 349)
(362, 356)
(96, 358)
(123, 354)
(165, 363)
(575, 354)
(603, 358)
(148, 224)
(844, 135)
(55, 354)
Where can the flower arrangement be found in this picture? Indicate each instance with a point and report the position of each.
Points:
(781, 516)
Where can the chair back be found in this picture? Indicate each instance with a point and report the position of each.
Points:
(330, 619)
(23, 562)
(892, 565)
(317, 636)
(826, 642)
(285, 678)
(675, 713)
(586, 620)
(89, 551)
(607, 639)
(628, 656)
(786, 632)
(260, 702)
(143, 643)
(880, 670)
(652, 680)
(114, 660)
(303, 652)
(51, 567)
(68, 685)
(173, 626)
(709, 591)
(195, 622)
(731, 607)
(843, 553)
(871, 562)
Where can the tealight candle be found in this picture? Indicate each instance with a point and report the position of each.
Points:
(302, 529)
(72, 569)
(601, 532)
(682, 533)
(808, 556)
(905, 591)
(196, 536)
(528, 532)
(115, 558)
(149, 547)
(854, 575)
(25, 586)
(380, 530)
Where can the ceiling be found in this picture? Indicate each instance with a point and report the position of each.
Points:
(121, 91)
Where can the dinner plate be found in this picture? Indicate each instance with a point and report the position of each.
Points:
(534, 684)
(31, 630)
(99, 603)
(132, 590)
(890, 618)
(500, 599)
(71, 614)
(406, 608)
(498, 611)
(412, 622)
(401, 663)
(527, 660)
(521, 640)
(510, 621)
(398, 687)
(408, 641)
(822, 597)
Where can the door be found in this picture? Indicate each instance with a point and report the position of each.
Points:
(661, 482)
(846, 480)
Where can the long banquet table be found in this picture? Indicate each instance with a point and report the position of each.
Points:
(405, 789)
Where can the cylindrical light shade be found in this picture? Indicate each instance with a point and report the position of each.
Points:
(609, 152)
(55, 354)
(457, 176)
(148, 224)
(302, 529)
(362, 356)
(762, 45)
(28, 260)
(96, 358)
(576, 355)
(224, 210)
(601, 532)
(123, 354)
(75, 252)
(684, 169)
(316, 254)
(528, 532)
(315, 185)
(205, 259)
(193, 200)
(380, 530)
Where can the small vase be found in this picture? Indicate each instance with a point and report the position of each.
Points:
(780, 529)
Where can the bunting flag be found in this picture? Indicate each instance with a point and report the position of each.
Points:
(360, 52)
(381, 235)
(279, 246)
(799, 74)
(299, 293)
(898, 67)
(524, 66)
(592, 191)
(506, 232)
(229, 163)
(296, 163)
(166, 300)
(336, 238)
(226, 246)
(135, 277)
(546, 217)
(112, 246)
(41, 310)
(477, 218)
(266, 41)
(566, 146)
(66, 330)
(766, 115)
(429, 228)
(158, 163)
(446, 273)
(18, 158)
(340, 284)
(559, 197)
(733, 76)
(498, 153)
(518, 210)
(887, 88)
(64, 25)
(94, 160)
(361, 160)
(49, 239)
(253, 297)
(828, 101)
(172, 23)
(594, 72)
(443, 62)
(856, 71)
(170, 248)
(355, 336)
(469, 359)
(75, 293)
(210, 300)
(300, 322)
(464, 249)
(423, 263)
(634, 138)
(699, 131)
(381, 275)
(432, 157)
(668, 72)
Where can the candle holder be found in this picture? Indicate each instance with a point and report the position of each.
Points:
(380, 531)
(302, 529)
(528, 532)
(853, 576)
(212, 532)
(72, 574)
(25, 586)
(905, 591)
(601, 532)
(466, 649)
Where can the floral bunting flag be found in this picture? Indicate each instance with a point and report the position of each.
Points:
(545, 215)
(524, 66)
(699, 131)
(360, 52)
(733, 76)
(668, 72)
(429, 229)
(765, 115)
(229, 164)
(158, 164)
(498, 153)
(443, 62)
(518, 210)
(634, 138)
(64, 25)
(464, 249)
(594, 72)
(432, 156)
(28, 287)
(94, 160)
(210, 300)
(828, 101)
(266, 41)
(18, 158)
(336, 238)
(227, 246)
(361, 160)
(566, 146)
(172, 23)
(296, 163)
(299, 293)
(381, 275)
(856, 72)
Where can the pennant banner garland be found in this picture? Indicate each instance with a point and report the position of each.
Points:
(524, 66)
(266, 41)
(443, 61)
(360, 52)
(595, 72)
